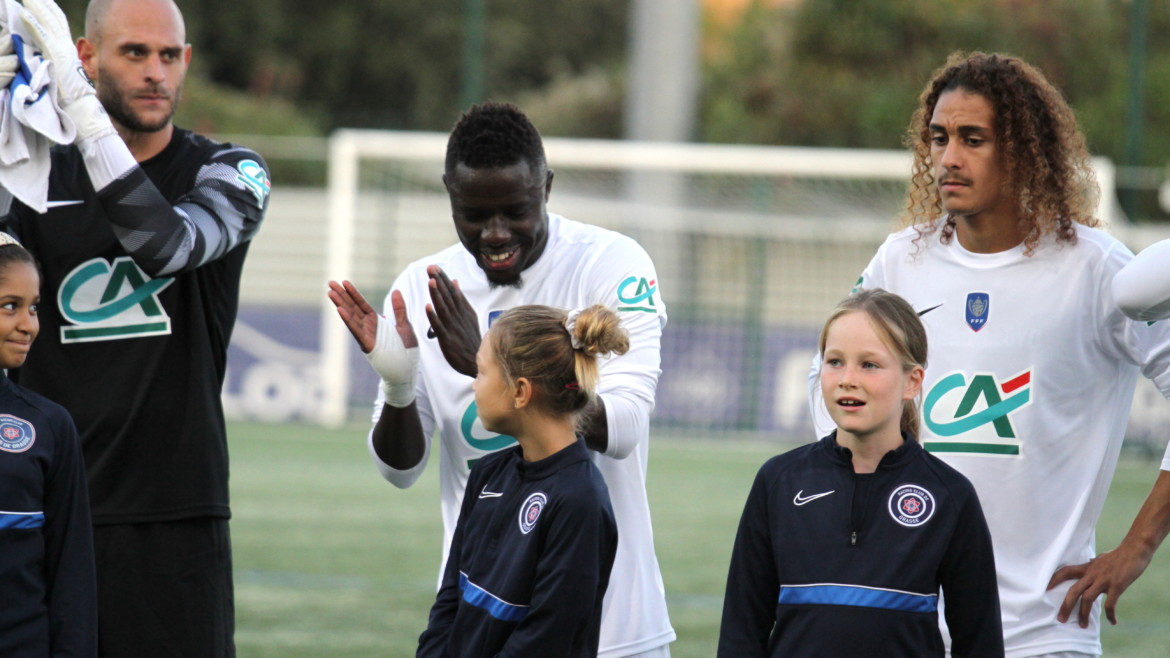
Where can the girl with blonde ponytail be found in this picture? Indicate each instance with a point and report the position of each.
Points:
(532, 552)
(845, 544)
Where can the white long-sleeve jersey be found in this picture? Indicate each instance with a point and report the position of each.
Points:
(1031, 375)
(581, 265)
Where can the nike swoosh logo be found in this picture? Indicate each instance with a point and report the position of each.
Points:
(430, 332)
(490, 494)
(801, 500)
(58, 204)
(925, 311)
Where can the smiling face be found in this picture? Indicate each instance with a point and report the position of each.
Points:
(20, 293)
(967, 162)
(138, 58)
(863, 382)
(500, 217)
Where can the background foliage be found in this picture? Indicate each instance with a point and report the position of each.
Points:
(792, 72)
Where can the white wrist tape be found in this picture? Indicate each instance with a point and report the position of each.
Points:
(395, 363)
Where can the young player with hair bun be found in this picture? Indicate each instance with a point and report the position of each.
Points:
(845, 543)
(535, 542)
(46, 544)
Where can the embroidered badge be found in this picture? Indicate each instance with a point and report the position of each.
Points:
(16, 434)
(911, 505)
(978, 304)
(530, 511)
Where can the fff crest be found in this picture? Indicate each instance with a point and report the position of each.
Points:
(978, 304)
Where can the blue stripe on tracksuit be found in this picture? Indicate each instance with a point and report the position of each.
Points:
(481, 598)
(21, 520)
(866, 597)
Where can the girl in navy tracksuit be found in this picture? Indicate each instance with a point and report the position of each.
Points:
(532, 552)
(47, 580)
(845, 543)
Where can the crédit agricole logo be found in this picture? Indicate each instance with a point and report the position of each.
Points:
(973, 413)
(111, 301)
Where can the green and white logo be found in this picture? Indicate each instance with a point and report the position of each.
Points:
(111, 302)
(637, 294)
(975, 415)
(254, 179)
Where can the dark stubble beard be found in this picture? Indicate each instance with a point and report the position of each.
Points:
(113, 98)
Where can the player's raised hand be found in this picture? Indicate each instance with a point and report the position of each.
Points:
(49, 30)
(454, 322)
(390, 347)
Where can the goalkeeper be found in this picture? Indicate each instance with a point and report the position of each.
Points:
(142, 246)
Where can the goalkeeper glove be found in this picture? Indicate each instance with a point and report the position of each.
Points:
(49, 31)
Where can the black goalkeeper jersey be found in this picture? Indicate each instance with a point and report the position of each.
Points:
(139, 298)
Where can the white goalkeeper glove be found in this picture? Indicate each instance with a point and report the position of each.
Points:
(395, 363)
(49, 31)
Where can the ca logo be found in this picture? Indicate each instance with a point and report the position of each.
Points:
(978, 412)
(111, 302)
(637, 293)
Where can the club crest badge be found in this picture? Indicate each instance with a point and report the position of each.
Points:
(978, 304)
(530, 511)
(16, 434)
(911, 505)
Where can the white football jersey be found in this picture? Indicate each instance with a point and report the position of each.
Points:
(581, 265)
(1031, 375)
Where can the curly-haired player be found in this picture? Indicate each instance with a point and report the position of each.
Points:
(1033, 363)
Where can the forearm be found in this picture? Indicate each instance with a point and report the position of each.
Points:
(1152, 524)
(397, 439)
(595, 426)
(215, 216)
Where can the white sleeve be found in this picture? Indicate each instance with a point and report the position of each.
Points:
(623, 278)
(404, 478)
(1145, 343)
(1142, 287)
(823, 425)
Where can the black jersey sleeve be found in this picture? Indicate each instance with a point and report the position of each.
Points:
(71, 583)
(223, 209)
(434, 640)
(749, 602)
(967, 578)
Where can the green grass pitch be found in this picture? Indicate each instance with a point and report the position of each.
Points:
(331, 560)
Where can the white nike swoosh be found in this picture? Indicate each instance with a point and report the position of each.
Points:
(490, 494)
(58, 204)
(799, 500)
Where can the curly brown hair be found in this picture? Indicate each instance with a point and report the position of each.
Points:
(1043, 151)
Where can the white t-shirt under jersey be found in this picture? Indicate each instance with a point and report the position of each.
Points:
(1028, 389)
(581, 265)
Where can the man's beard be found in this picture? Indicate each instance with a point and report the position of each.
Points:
(517, 283)
(113, 98)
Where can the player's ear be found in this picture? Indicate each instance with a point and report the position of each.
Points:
(87, 53)
(913, 383)
(548, 184)
(522, 393)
